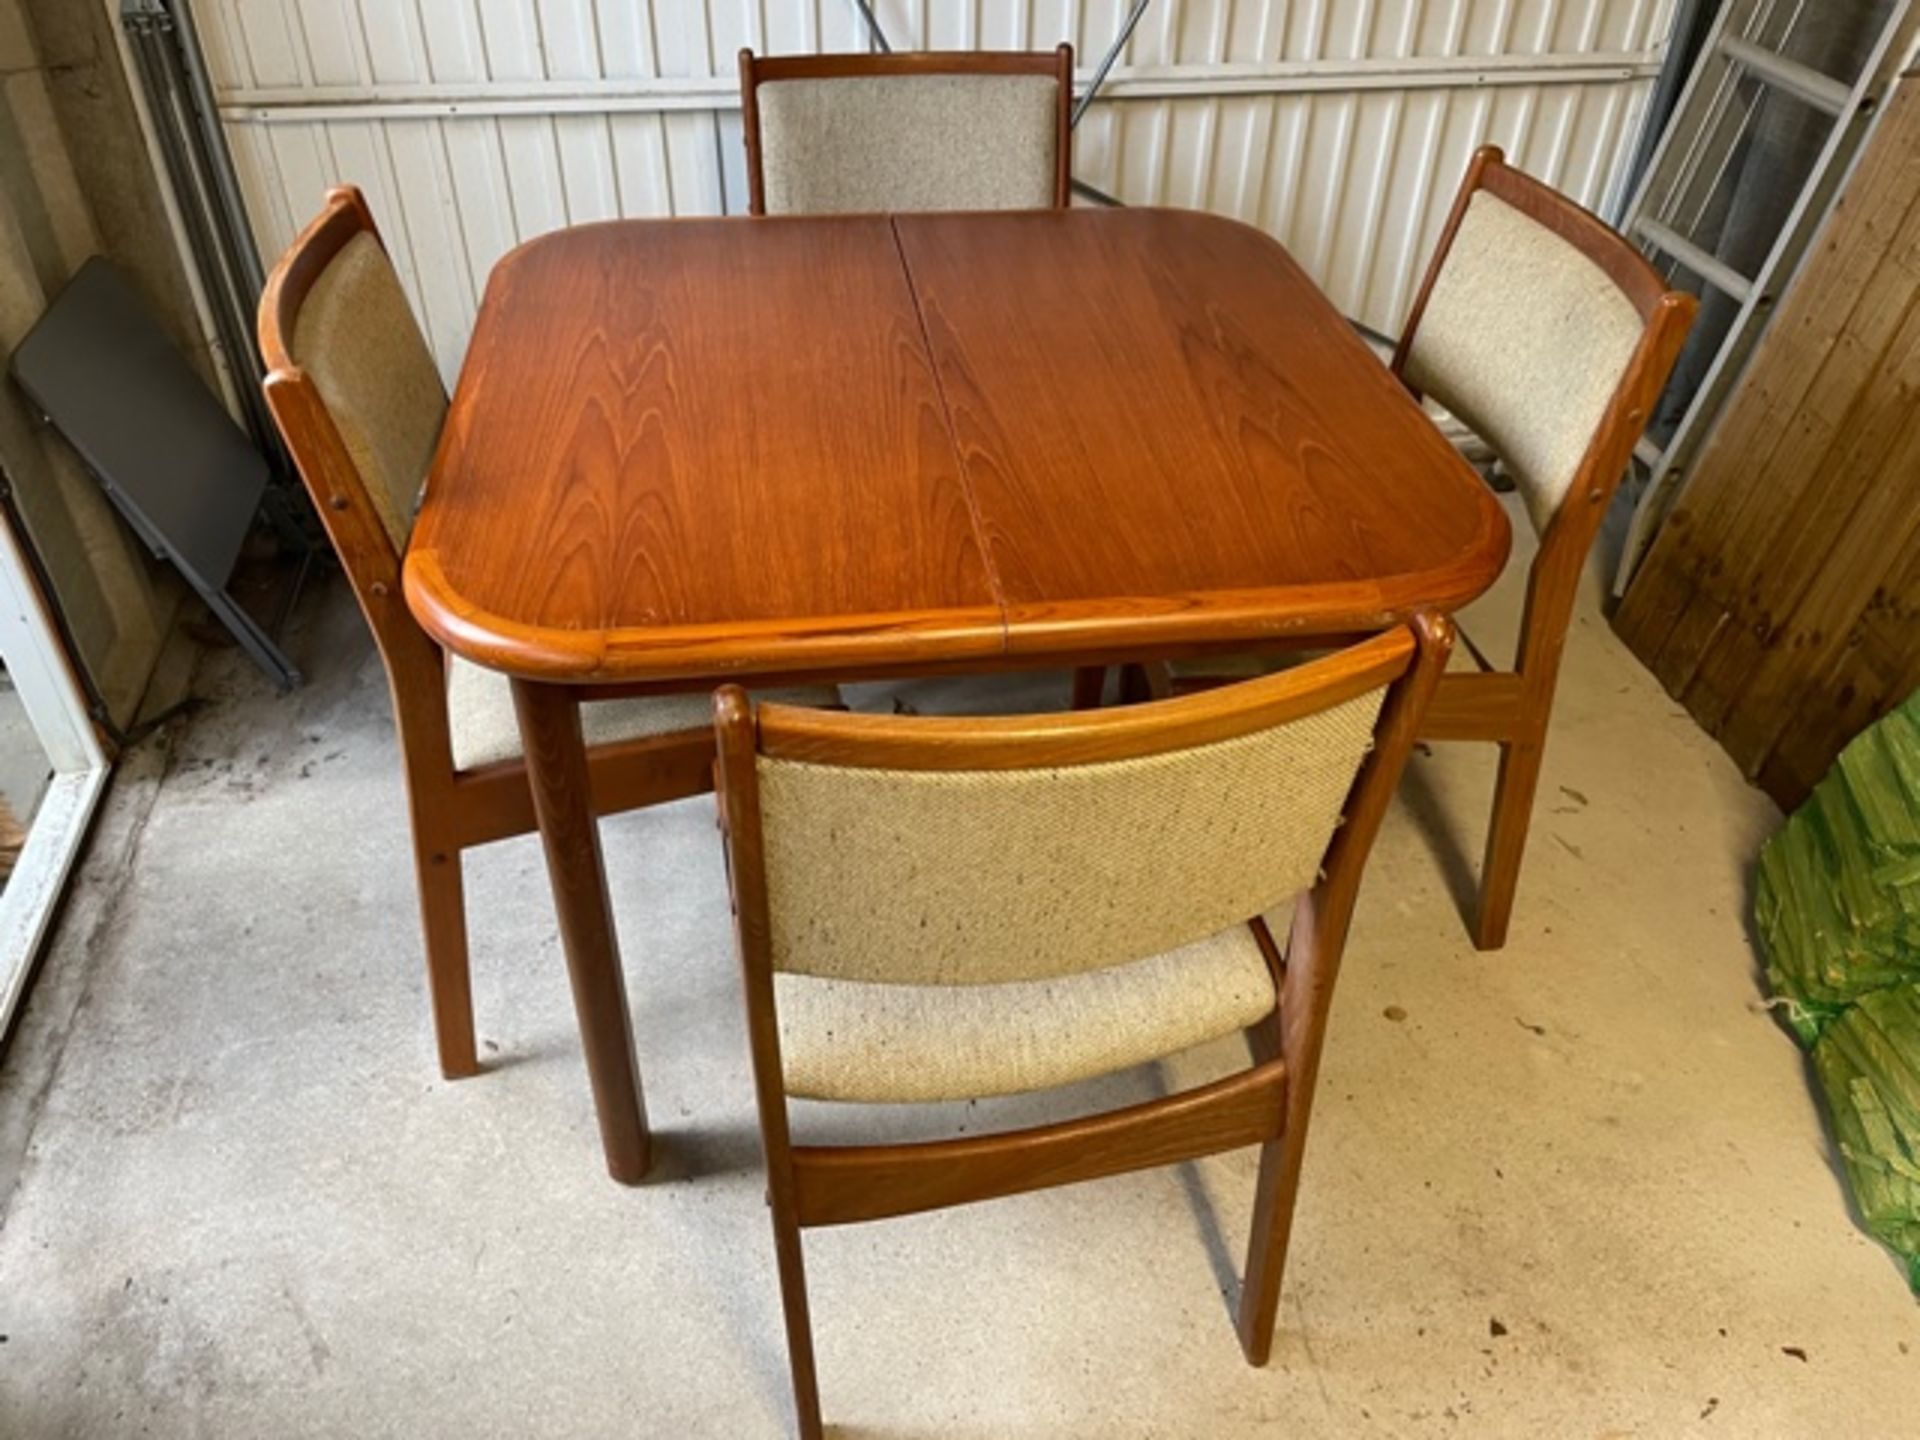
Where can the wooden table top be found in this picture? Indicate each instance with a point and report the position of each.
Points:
(692, 449)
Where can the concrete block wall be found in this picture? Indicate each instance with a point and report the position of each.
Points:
(75, 181)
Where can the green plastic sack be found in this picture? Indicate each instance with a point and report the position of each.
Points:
(1837, 901)
(1868, 1061)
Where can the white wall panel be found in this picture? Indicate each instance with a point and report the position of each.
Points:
(1340, 126)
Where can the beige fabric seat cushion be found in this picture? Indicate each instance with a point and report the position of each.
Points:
(485, 729)
(858, 1041)
(1525, 339)
(908, 142)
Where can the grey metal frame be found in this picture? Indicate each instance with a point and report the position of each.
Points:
(187, 480)
(1687, 163)
(186, 124)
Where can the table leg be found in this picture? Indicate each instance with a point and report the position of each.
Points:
(557, 771)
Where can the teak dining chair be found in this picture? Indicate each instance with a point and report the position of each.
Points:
(1550, 336)
(1015, 904)
(1545, 331)
(939, 130)
(354, 391)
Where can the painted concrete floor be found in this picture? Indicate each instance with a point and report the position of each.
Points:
(1577, 1188)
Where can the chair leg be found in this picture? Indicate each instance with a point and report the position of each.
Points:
(1507, 838)
(1089, 686)
(1278, 1187)
(793, 1299)
(1144, 681)
(443, 918)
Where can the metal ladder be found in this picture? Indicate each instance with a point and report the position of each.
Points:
(1715, 112)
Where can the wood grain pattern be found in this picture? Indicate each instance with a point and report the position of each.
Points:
(450, 811)
(1477, 706)
(1780, 603)
(1834, 325)
(691, 447)
(1084, 736)
(846, 1184)
(740, 449)
(1512, 707)
(563, 801)
(1315, 947)
(1171, 434)
(1268, 1103)
(737, 776)
(559, 787)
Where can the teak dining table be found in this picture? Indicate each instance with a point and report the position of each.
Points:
(688, 452)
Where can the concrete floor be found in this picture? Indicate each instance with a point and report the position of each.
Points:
(1577, 1188)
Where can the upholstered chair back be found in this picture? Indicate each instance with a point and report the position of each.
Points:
(356, 338)
(898, 142)
(853, 134)
(965, 876)
(1526, 339)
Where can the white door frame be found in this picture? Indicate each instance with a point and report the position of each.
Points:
(44, 680)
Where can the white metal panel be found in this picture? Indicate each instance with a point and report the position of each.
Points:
(1340, 126)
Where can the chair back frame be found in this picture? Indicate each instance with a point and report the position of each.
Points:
(416, 666)
(1513, 708)
(1267, 1103)
(1666, 314)
(449, 811)
(756, 70)
(446, 811)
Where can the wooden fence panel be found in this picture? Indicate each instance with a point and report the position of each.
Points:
(1778, 602)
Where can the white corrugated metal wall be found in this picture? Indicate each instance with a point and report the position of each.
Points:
(1338, 125)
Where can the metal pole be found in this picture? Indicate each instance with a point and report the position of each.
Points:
(1096, 194)
(1684, 42)
(207, 196)
(876, 37)
(146, 32)
(1106, 60)
(212, 145)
